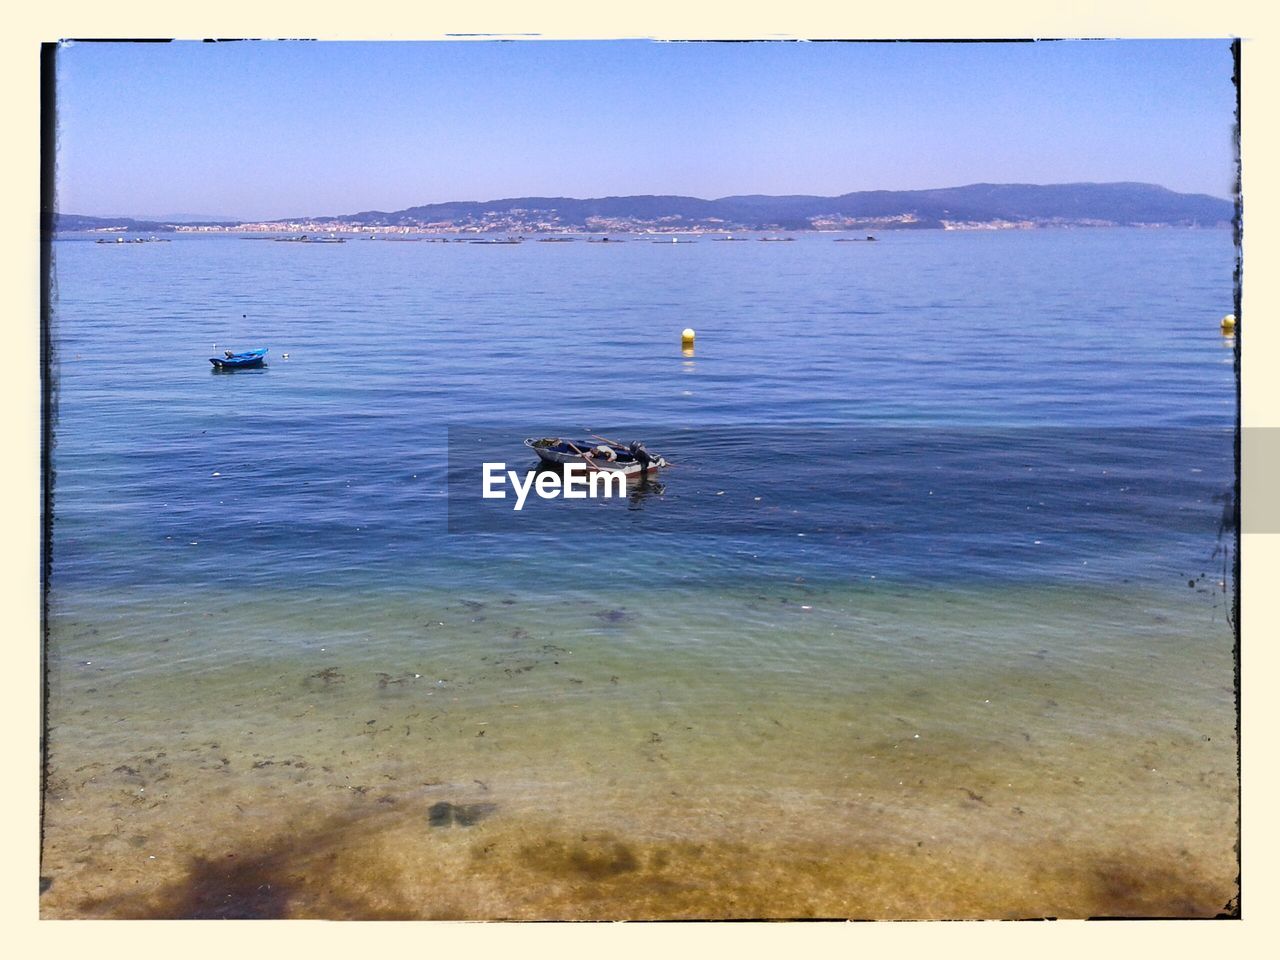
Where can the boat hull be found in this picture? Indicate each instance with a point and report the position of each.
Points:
(241, 361)
(559, 456)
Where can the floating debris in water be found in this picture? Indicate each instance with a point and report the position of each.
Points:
(385, 679)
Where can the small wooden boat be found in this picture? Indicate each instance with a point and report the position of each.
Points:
(632, 460)
(240, 361)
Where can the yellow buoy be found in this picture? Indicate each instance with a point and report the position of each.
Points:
(1229, 324)
(686, 337)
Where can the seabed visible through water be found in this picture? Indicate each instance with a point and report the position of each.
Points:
(458, 760)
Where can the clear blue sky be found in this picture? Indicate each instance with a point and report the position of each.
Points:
(269, 129)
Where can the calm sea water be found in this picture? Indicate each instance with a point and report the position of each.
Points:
(930, 617)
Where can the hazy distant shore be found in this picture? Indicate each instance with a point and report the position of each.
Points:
(981, 206)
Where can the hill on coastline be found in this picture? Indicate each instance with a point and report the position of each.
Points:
(975, 205)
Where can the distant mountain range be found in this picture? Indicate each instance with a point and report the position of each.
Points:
(979, 205)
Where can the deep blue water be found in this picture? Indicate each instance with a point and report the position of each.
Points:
(1011, 406)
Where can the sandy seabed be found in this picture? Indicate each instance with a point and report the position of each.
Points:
(533, 777)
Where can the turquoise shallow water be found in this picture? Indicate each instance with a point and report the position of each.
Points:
(276, 614)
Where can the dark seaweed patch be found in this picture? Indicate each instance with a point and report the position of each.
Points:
(444, 813)
(326, 676)
(290, 876)
(440, 814)
(615, 616)
(599, 859)
(468, 815)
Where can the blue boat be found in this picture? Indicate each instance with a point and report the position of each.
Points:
(240, 361)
